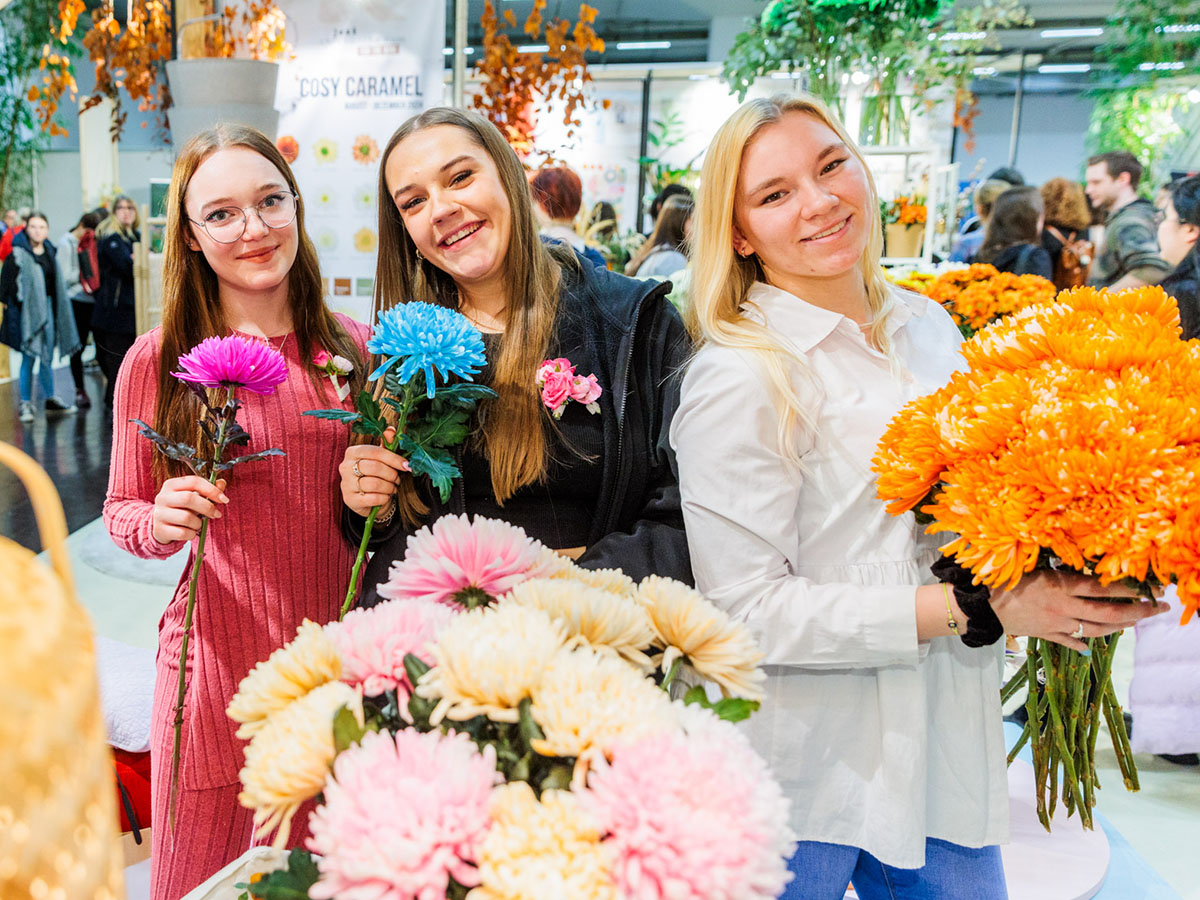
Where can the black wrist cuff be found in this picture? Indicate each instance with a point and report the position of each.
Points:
(983, 627)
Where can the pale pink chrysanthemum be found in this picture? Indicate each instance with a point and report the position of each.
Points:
(692, 814)
(464, 563)
(402, 815)
(233, 361)
(372, 643)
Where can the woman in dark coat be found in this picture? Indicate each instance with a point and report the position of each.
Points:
(1013, 241)
(114, 321)
(1178, 230)
(595, 481)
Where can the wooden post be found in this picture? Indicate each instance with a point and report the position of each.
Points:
(191, 45)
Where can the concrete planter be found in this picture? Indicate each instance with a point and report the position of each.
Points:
(205, 92)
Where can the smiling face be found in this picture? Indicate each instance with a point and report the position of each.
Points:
(262, 257)
(801, 203)
(452, 203)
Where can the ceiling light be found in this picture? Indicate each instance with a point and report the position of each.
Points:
(533, 48)
(1072, 32)
(643, 45)
(1160, 67)
(697, 78)
(449, 51)
(1177, 29)
(1063, 68)
(983, 71)
(963, 36)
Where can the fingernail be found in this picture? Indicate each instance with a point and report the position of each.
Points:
(224, 499)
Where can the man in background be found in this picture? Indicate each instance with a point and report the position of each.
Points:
(1130, 255)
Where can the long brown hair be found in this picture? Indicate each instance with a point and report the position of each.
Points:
(513, 424)
(668, 231)
(192, 302)
(1014, 221)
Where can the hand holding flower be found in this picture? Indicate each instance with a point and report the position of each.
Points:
(380, 468)
(181, 506)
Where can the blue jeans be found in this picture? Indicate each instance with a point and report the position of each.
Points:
(823, 871)
(25, 378)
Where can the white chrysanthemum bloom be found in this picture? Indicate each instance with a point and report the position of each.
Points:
(290, 757)
(486, 661)
(544, 849)
(612, 580)
(714, 645)
(603, 619)
(309, 661)
(588, 701)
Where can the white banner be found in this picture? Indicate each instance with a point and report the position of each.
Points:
(360, 69)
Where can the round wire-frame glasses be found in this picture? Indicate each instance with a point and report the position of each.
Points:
(228, 223)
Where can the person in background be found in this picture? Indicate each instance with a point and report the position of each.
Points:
(114, 320)
(603, 223)
(15, 227)
(37, 316)
(967, 243)
(671, 190)
(1130, 256)
(1166, 658)
(1013, 239)
(1009, 175)
(557, 196)
(665, 252)
(1178, 231)
(1066, 218)
(882, 725)
(79, 260)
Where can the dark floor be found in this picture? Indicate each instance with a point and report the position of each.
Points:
(73, 449)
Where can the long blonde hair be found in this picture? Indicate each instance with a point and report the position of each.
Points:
(514, 423)
(113, 225)
(721, 279)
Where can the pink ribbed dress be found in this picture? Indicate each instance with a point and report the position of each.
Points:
(275, 557)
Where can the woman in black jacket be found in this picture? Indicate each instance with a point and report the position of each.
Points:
(599, 487)
(1178, 230)
(1013, 241)
(113, 320)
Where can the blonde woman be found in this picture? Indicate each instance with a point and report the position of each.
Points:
(113, 320)
(881, 722)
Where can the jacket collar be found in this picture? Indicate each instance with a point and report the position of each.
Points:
(807, 325)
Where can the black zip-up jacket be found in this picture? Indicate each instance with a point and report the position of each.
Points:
(626, 332)
(1184, 285)
(115, 304)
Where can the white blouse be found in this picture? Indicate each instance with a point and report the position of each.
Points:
(879, 740)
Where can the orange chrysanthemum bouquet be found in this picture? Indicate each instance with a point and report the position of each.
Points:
(1071, 441)
(981, 294)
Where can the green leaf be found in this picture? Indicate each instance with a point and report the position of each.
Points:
(559, 779)
(414, 668)
(437, 465)
(529, 728)
(184, 453)
(250, 457)
(464, 393)
(697, 696)
(444, 426)
(346, 730)
(734, 709)
(337, 415)
(367, 405)
(291, 883)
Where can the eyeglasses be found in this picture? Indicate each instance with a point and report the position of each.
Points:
(228, 224)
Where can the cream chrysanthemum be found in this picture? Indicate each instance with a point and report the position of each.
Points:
(309, 661)
(710, 642)
(601, 618)
(290, 757)
(587, 702)
(542, 849)
(612, 580)
(487, 661)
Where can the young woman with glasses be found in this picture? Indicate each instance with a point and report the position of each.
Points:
(881, 724)
(237, 261)
(113, 320)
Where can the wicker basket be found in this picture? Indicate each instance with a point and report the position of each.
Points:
(58, 818)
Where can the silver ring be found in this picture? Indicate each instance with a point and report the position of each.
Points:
(1078, 632)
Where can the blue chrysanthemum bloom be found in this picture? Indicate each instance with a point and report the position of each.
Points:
(422, 337)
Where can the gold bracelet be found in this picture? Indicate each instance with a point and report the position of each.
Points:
(949, 612)
(383, 519)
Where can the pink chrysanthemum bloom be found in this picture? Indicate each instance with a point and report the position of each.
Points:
(233, 362)
(372, 643)
(464, 563)
(694, 814)
(402, 815)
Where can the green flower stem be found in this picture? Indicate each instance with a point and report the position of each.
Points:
(408, 400)
(193, 584)
(672, 672)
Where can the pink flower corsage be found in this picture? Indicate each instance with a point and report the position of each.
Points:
(560, 385)
(336, 367)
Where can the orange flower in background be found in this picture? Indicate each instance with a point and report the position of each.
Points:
(1074, 433)
(981, 294)
(365, 150)
(904, 210)
(289, 148)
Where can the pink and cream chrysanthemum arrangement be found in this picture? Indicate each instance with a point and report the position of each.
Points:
(503, 728)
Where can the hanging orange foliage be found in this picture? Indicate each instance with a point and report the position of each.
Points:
(513, 82)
